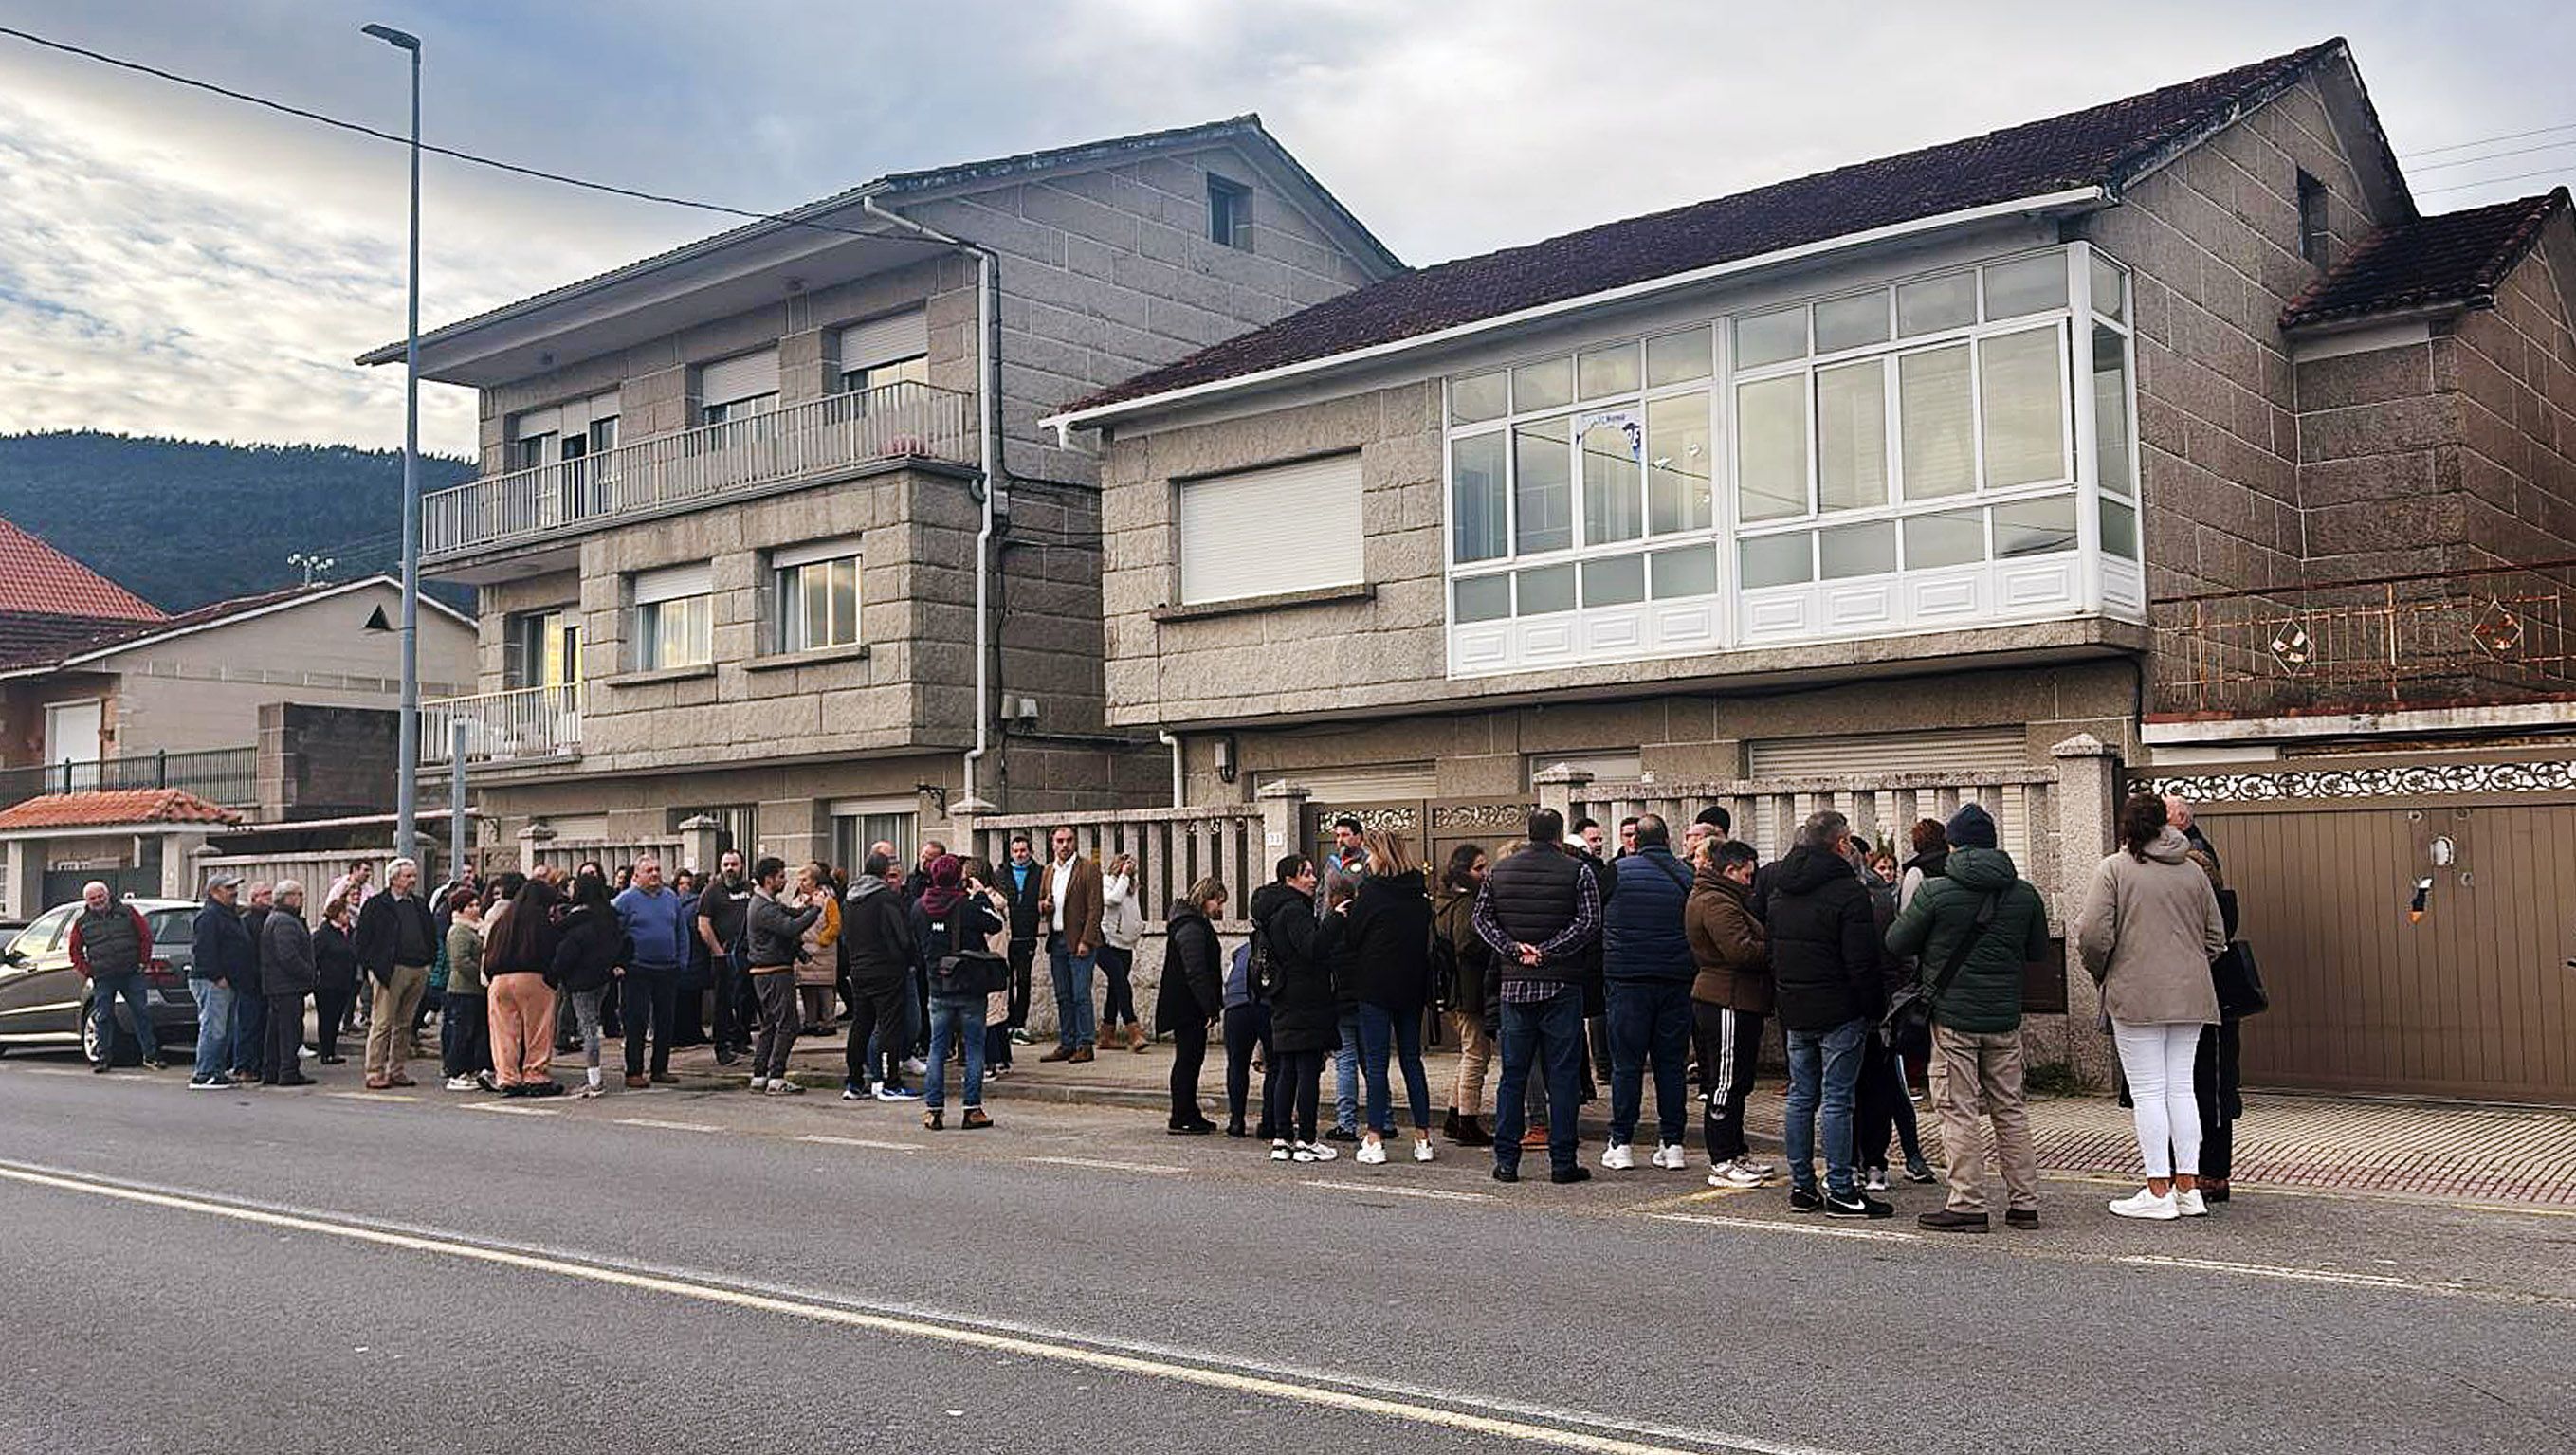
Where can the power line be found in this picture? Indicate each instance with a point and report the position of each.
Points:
(2491, 181)
(2497, 156)
(2461, 146)
(362, 129)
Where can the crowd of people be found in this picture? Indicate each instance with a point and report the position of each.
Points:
(1550, 962)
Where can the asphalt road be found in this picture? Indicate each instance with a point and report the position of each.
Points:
(318, 1269)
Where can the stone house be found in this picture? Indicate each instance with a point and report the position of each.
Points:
(766, 529)
(1912, 468)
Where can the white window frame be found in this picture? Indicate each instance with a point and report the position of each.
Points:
(1238, 212)
(659, 592)
(787, 566)
(2071, 323)
(851, 848)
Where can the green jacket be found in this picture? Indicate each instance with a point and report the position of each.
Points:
(1985, 999)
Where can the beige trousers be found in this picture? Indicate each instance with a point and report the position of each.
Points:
(389, 1020)
(1979, 1076)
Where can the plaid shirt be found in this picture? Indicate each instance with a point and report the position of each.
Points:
(1581, 931)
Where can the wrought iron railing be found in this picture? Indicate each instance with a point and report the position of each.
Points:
(891, 422)
(227, 776)
(2471, 638)
(501, 727)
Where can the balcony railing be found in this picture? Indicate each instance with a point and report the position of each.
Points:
(503, 727)
(892, 422)
(227, 776)
(2435, 639)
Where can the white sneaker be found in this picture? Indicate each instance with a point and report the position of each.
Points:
(1758, 1167)
(1279, 1152)
(1876, 1181)
(2146, 1205)
(307, 1053)
(1371, 1154)
(1422, 1150)
(588, 1090)
(1670, 1157)
(1734, 1175)
(1618, 1158)
(2190, 1204)
(1321, 1152)
(781, 1086)
(1305, 1152)
(460, 1083)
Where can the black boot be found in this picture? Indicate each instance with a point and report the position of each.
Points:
(1472, 1133)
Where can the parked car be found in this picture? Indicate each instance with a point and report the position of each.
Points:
(45, 1002)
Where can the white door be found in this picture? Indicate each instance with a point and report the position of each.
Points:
(71, 736)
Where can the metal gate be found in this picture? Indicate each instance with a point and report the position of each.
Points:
(2469, 990)
(62, 886)
(1432, 827)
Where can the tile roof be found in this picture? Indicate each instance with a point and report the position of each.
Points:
(896, 184)
(2458, 257)
(35, 577)
(2104, 145)
(114, 807)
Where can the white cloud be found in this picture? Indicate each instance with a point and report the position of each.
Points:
(175, 263)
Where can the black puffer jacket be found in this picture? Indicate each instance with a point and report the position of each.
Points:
(1825, 947)
(1387, 934)
(1303, 1016)
(1193, 981)
(592, 947)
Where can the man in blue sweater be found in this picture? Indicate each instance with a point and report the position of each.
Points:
(649, 912)
(1646, 969)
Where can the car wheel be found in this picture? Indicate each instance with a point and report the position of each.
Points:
(90, 1051)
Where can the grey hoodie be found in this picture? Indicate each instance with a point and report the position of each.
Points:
(2147, 932)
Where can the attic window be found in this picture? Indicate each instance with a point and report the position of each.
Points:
(1229, 213)
(2312, 219)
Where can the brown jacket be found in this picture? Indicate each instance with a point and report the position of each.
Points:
(2147, 933)
(1726, 941)
(1082, 903)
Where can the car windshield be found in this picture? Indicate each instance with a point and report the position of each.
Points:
(172, 926)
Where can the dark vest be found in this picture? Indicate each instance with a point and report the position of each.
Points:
(1534, 894)
(1641, 928)
(108, 939)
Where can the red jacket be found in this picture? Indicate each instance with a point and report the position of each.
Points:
(142, 942)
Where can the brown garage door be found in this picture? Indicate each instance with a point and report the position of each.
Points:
(2475, 999)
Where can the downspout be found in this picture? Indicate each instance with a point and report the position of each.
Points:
(988, 355)
(1180, 794)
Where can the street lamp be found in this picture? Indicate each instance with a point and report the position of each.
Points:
(407, 727)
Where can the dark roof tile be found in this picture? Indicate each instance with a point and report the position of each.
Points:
(2101, 145)
(2458, 257)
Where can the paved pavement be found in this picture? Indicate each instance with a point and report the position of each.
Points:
(706, 1270)
(2401, 1148)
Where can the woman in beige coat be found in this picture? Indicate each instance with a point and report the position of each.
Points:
(2147, 932)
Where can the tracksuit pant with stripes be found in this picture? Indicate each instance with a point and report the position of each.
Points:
(1729, 1045)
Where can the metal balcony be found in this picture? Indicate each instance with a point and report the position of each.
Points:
(519, 725)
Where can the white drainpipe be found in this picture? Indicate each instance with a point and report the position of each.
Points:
(1180, 793)
(988, 354)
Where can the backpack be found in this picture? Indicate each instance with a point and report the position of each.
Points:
(1262, 974)
(967, 971)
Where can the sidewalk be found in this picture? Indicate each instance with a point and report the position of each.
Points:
(2451, 1151)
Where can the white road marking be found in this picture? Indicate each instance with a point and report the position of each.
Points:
(1565, 1430)
(509, 1108)
(370, 1096)
(2294, 1275)
(863, 1142)
(51, 1071)
(668, 1126)
(1157, 1168)
(1812, 1230)
(1441, 1193)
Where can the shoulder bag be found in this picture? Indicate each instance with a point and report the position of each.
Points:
(967, 971)
(1907, 1026)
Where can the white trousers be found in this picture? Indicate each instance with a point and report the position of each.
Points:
(2157, 1061)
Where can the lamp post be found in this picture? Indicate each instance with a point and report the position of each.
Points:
(407, 728)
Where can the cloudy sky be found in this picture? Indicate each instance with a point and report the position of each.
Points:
(178, 264)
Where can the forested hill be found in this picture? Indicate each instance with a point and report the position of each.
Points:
(181, 523)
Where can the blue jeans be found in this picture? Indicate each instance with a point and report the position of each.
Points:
(1823, 1064)
(1074, 1024)
(1649, 1020)
(1346, 1075)
(214, 1028)
(250, 1029)
(104, 992)
(1379, 1027)
(1549, 1032)
(955, 1019)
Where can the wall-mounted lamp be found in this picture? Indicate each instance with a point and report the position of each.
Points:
(1225, 759)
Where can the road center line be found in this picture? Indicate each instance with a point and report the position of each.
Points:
(1812, 1230)
(668, 1126)
(2294, 1275)
(1179, 1367)
(1160, 1169)
(862, 1142)
(1441, 1193)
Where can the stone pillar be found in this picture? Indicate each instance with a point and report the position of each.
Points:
(963, 835)
(2087, 805)
(1561, 788)
(698, 844)
(181, 853)
(26, 879)
(1283, 824)
(532, 838)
